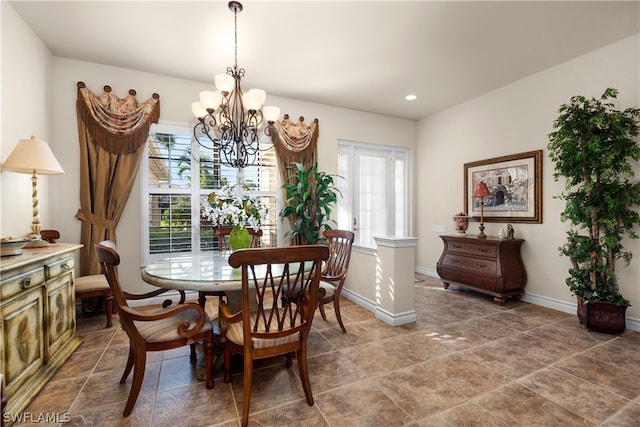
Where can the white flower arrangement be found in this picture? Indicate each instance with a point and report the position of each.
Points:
(229, 207)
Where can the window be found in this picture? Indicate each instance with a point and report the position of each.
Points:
(177, 174)
(375, 191)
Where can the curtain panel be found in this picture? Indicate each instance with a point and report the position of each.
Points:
(112, 133)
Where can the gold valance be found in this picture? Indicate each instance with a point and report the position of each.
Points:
(120, 126)
(296, 142)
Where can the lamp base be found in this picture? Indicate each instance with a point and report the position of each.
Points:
(482, 235)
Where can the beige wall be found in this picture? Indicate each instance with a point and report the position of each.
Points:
(510, 120)
(26, 104)
(62, 200)
(513, 119)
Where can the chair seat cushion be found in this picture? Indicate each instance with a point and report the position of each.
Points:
(235, 334)
(167, 329)
(94, 282)
(329, 288)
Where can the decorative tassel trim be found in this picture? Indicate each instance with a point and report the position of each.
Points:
(120, 126)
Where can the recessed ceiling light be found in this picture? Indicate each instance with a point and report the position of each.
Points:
(410, 97)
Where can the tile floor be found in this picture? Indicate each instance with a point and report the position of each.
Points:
(465, 362)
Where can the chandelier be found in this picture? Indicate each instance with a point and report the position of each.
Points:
(230, 119)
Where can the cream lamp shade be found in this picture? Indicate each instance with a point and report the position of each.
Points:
(32, 156)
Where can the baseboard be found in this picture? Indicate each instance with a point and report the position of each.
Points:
(632, 323)
(359, 299)
(384, 315)
(427, 272)
(563, 306)
(395, 319)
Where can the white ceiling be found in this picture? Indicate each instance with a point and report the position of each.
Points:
(363, 55)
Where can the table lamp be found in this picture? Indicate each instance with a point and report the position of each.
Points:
(481, 191)
(34, 157)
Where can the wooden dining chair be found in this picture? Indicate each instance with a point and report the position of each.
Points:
(284, 282)
(154, 327)
(335, 270)
(91, 286)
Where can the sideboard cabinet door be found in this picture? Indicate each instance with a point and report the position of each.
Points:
(23, 349)
(59, 313)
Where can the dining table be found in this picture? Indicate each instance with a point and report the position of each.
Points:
(203, 272)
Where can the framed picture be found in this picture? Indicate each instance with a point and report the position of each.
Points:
(515, 184)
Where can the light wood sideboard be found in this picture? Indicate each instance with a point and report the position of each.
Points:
(490, 265)
(38, 319)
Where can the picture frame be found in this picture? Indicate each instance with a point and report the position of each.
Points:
(515, 183)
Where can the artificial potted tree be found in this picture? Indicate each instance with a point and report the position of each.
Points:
(309, 198)
(594, 147)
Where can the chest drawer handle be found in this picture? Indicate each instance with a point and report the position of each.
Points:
(484, 250)
(481, 265)
(65, 266)
(456, 246)
(25, 282)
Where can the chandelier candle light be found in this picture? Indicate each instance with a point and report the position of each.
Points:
(231, 119)
(33, 157)
(481, 191)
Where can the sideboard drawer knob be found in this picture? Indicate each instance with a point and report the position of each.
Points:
(25, 282)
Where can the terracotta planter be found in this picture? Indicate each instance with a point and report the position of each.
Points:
(602, 316)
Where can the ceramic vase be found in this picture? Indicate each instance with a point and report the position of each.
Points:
(460, 222)
(239, 238)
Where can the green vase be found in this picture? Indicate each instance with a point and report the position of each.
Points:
(239, 238)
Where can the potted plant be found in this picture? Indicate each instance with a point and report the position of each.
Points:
(593, 148)
(309, 197)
